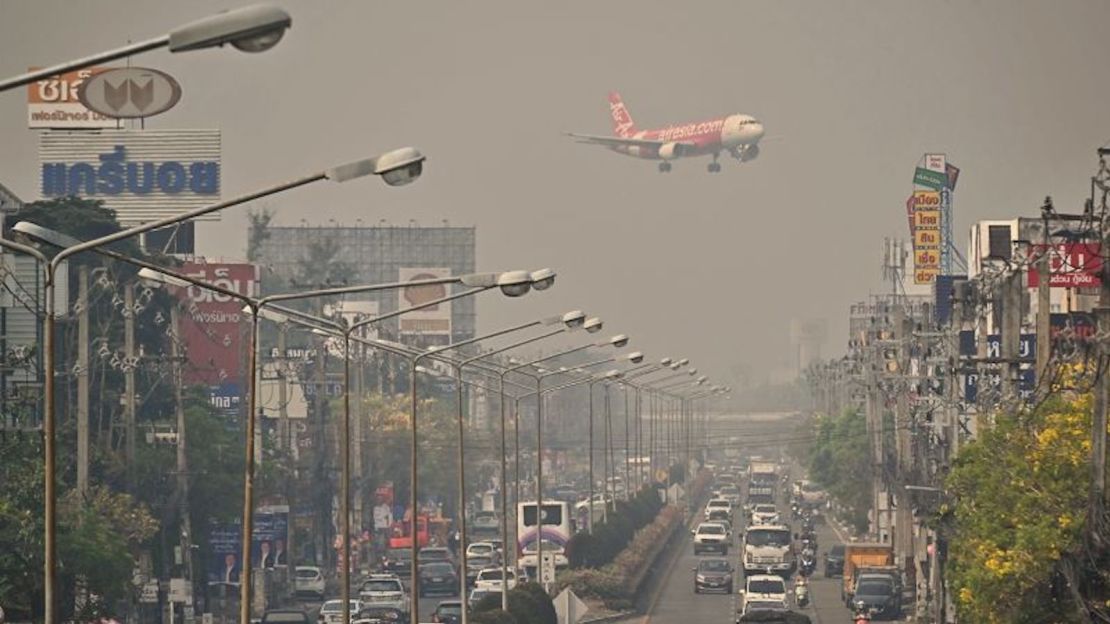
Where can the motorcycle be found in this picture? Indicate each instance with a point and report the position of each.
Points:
(861, 613)
(801, 592)
(808, 563)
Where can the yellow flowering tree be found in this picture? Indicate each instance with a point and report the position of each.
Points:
(1020, 493)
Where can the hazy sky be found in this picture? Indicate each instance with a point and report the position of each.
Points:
(711, 267)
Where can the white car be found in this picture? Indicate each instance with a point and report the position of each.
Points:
(764, 591)
(711, 537)
(309, 580)
(482, 549)
(490, 579)
(765, 514)
(718, 504)
(332, 611)
(384, 590)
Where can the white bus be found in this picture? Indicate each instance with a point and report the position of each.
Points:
(556, 528)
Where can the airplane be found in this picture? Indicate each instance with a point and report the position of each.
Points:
(738, 135)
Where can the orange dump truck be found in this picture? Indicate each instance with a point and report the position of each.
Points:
(863, 555)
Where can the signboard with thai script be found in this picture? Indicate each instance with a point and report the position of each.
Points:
(930, 179)
(1070, 265)
(926, 236)
(54, 103)
(143, 175)
(211, 325)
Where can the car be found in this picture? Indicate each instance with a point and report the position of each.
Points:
(880, 594)
(765, 514)
(474, 565)
(834, 561)
(718, 515)
(718, 504)
(711, 536)
(731, 493)
(490, 578)
(713, 575)
(331, 612)
(309, 580)
(370, 614)
(285, 616)
(429, 554)
(438, 577)
(448, 612)
(476, 596)
(481, 548)
(384, 590)
(763, 591)
(397, 561)
(485, 522)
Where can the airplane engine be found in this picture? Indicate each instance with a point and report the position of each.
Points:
(750, 153)
(670, 151)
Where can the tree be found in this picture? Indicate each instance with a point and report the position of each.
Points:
(1020, 493)
(840, 460)
(259, 231)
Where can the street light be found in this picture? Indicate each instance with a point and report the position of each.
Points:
(337, 174)
(254, 28)
(511, 283)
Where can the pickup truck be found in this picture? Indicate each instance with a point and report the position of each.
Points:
(862, 555)
(711, 537)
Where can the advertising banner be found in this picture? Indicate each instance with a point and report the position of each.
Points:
(54, 102)
(214, 340)
(143, 175)
(935, 162)
(926, 234)
(926, 200)
(926, 220)
(935, 180)
(1070, 265)
(435, 320)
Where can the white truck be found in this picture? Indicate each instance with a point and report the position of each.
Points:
(768, 549)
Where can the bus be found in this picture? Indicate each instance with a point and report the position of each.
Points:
(557, 527)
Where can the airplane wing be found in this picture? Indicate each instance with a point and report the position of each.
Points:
(611, 141)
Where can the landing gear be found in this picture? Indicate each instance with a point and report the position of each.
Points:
(664, 167)
(714, 167)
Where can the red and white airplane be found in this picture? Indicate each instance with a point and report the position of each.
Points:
(738, 135)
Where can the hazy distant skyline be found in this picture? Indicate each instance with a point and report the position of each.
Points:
(710, 267)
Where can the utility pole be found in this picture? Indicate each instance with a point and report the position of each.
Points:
(1044, 315)
(1011, 336)
(83, 380)
(129, 364)
(903, 535)
(182, 457)
(1097, 505)
(873, 408)
(284, 436)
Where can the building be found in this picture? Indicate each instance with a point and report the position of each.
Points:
(293, 258)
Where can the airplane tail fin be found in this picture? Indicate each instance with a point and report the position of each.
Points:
(623, 126)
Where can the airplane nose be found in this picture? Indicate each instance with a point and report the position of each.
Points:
(758, 131)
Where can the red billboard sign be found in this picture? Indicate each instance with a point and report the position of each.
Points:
(213, 328)
(1071, 265)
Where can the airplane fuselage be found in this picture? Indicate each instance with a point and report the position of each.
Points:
(695, 139)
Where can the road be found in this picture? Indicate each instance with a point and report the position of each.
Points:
(678, 604)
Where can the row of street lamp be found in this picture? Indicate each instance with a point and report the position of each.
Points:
(254, 29)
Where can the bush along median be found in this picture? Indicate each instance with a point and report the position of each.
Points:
(609, 565)
(528, 604)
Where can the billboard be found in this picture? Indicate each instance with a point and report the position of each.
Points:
(1070, 265)
(143, 175)
(926, 236)
(434, 320)
(213, 338)
(53, 102)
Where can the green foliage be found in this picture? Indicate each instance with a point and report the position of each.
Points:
(491, 616)
(528, 604)
(615, 583)
(840, 460)
(1020, 490)
(259, 231)
(97, 538)
(610, 537)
